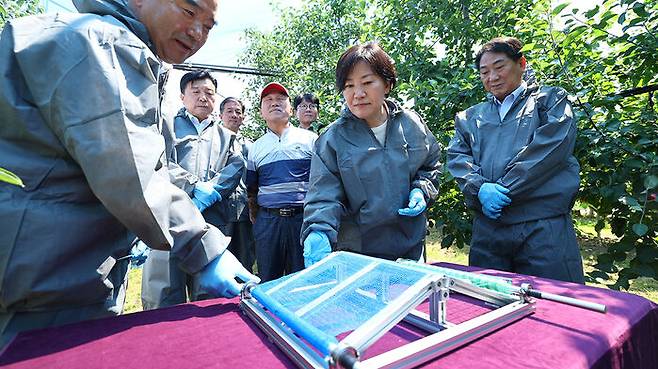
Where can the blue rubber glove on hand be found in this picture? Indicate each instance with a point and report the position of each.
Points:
(205, 195)
(218, 277)
(198, 204)
(139, 253)
(417, 204)
(316, 247)
(493, 199)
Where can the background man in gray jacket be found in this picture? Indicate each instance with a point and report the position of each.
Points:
(512, 157)
(80, 125)
(238, 225)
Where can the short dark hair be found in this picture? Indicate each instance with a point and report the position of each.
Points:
(196, 76)
(371, 53)
(306, 97)
(226, 100)
(509, 46)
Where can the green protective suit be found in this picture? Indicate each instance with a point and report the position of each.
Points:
(79, 118)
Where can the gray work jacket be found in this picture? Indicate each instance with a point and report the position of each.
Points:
(236, 208)
(79, 113)
(210, 156)
(529, 151)
(357, 185)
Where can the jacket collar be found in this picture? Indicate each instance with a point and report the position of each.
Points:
(120, 10)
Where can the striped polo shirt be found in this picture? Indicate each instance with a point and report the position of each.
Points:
(279, 167)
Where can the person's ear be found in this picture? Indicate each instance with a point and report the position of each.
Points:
(182, 97)
(523, 62)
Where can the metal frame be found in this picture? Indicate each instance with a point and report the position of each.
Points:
(443, 335)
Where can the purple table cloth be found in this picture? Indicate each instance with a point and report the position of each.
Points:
(215, 334)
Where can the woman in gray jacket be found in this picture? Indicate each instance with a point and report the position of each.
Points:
(374, 169)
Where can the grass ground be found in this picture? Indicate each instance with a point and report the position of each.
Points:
(591, 245)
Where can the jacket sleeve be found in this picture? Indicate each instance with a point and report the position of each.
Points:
(181, 177)
(252, 183)
(323, 205)
(228, 178)
(461, 164)
(551, 146)
(108, 124)
(428, 175)
(178, 176)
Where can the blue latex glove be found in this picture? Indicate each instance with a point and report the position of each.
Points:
(493, 199)
(316, 247)
(198, 204)
(218, 277)
(205, 195)
(417, 204)
(138, 253)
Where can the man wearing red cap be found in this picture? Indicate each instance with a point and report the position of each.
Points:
(278, 169)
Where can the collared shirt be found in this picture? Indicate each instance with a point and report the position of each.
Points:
(200, 126)
(279, 166)
(506, 104)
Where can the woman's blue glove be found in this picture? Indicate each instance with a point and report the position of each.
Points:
(417, 204)
(316, 247)
(493, 199)
(205, 195)
(139, 253)
(218, 277)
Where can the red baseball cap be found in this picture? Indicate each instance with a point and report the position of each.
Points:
(273, 87)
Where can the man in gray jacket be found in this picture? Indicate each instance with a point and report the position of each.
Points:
(238, 226)
(205, 162)
(80, 126)
(512, 157)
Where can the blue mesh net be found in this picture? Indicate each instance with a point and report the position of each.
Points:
(343, 292)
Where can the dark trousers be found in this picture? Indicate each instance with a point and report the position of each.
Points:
(165, 284)
(544, 248)
(278, 249)
(242, 242)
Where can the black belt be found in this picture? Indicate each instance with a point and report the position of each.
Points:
(284, 212)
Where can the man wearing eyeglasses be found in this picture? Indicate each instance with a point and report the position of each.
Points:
(512, 157)
(307, 109)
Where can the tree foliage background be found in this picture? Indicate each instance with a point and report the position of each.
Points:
(10, 9)
(605, 57)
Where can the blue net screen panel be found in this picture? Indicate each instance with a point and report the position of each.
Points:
(337, 295)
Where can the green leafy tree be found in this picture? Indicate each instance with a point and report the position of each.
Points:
(606, 57)
(10, 9)
(304, 50)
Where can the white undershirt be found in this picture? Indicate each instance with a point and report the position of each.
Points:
(505, 105)
(200, 126)
(380, 132)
